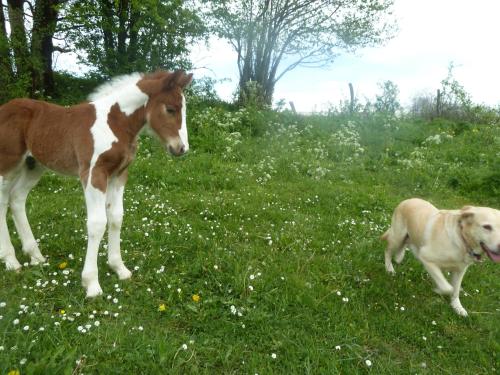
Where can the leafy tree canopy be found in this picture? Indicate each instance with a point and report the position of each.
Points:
(272, 37)
(121, 36)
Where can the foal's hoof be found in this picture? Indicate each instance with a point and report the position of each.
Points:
(37, 259)
(13, 265)
(94, 291)
(124, 273)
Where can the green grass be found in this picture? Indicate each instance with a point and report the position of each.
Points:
(278, 234)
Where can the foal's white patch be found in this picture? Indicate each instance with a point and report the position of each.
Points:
(101, 133)
(183, 133)
(122, 90)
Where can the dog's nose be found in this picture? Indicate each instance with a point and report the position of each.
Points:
(182, 150)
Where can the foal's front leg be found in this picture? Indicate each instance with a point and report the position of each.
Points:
(96, 226)
(114, 212)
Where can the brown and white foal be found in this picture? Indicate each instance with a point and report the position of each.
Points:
(95, 141)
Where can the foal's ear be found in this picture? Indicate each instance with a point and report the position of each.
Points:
(179, 78)
(150, 86)
(186, 81)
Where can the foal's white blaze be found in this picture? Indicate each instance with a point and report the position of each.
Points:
(183, 133)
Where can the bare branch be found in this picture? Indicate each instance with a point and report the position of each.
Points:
(61, 49)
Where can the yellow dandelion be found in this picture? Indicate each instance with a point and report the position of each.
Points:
(195, 298)
(62, 312)
(162, 307)
(63, 265)
(14, 372)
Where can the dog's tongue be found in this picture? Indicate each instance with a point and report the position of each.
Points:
(493, 256)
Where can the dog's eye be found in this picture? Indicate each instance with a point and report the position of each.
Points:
(487, 227)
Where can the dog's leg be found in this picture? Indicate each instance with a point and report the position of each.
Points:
(26, 181)
(395, 244)
(400, 254)
(114, 212)
(96, 226)
(388, 261)
(7, 253)
(456, 281)
(443, 286)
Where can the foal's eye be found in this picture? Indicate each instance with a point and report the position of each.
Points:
(170, 110)
(487, 227)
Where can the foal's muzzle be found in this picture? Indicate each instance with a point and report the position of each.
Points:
(177, 150)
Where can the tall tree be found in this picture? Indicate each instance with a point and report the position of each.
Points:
(18, 39)
(272, 37)
(45, 17)
(388, 100)
(32, 28)
(6, 72)
(120, 36)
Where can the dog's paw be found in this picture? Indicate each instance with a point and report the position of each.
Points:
(459, 309)
(390, 268)
(444, 291)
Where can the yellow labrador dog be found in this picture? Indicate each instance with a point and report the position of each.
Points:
(443, 240)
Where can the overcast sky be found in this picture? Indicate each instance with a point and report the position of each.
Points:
(432, 33)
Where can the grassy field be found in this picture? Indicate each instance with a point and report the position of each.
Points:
(260, 254)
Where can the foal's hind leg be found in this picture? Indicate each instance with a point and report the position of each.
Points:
(7, 253)
(27, 179)
(114, 213)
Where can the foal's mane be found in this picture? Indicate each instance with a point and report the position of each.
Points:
(114, 86)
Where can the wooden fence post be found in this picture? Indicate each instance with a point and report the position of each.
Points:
(351, 90)
(438, 103)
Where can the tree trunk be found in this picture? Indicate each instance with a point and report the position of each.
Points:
(123, 16)
(19, 43)
(133, 36)
(42, 47)
(107, 26)
(351, 92)
(6, 73)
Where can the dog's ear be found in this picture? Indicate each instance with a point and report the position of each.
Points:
(466, 214)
